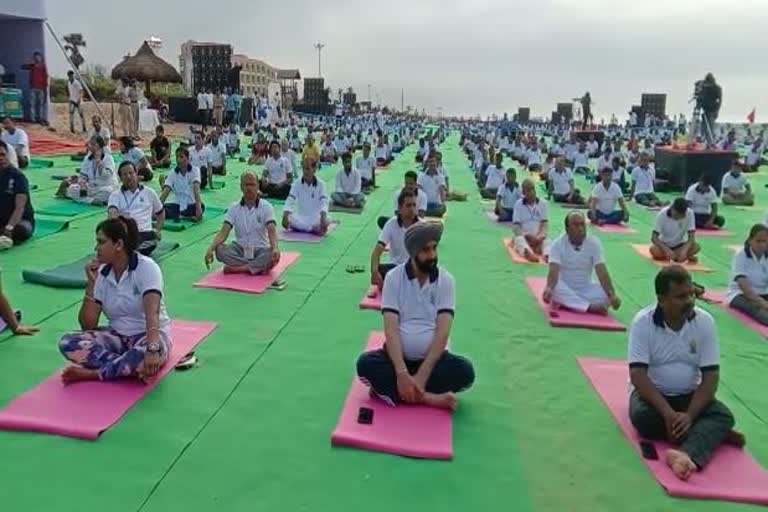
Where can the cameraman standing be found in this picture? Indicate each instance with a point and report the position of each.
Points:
(709, 99)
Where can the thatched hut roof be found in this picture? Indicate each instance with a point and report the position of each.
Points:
(145, 66)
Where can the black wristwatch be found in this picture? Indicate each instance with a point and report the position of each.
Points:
(153, 347)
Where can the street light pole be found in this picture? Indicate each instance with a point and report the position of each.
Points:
(319, 47)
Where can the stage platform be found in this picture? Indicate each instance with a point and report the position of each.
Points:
(682, 166)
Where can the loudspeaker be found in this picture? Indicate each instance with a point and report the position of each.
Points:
(183, 110)
(523, 114)
(655, 104)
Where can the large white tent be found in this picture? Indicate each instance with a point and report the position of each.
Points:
(22, 32)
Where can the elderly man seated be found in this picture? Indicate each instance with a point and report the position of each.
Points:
(97, 178)
(573, 258)
(530, 219)
(736, 189)
(255, 249)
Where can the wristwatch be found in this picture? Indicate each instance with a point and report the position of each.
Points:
(153, 347)
(9, 227)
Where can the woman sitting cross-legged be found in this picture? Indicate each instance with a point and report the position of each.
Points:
(128, 288)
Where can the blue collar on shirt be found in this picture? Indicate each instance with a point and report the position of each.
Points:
(658, 317)
(312, 183)
(189, 168)
(139, 189)
(242, 202)
(526, 202)
(133, 262)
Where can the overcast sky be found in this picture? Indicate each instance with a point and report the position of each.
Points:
(465, 57)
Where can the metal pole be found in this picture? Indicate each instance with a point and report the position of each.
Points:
(319, 47)
(77, 73)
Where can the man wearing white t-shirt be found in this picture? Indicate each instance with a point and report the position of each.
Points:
(17, 138)
(674, 369)
(605, 198)
(366, 166)
(277, 176)
(507, 197)
(348, 192)
(255, 250)
(306, 209)
(703, 200)
(494, 178)
(573, 258)
(735, 188)
(184, 182)
(581, 161)
(643, 182)
(75, 91)
(202, 108)
(674, 235)
(139, 203)
(755, 155)
(561, 185)
(392, 236)
(418, 303)
(433, 184)
(218, 150)
(201, 158)
(530, 219)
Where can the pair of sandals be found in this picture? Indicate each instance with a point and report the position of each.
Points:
(355, 269)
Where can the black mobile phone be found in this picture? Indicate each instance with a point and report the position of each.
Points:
(649, 450)
(365, 416)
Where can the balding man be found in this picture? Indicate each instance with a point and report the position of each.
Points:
(573, 258)
(254, 250)
(530, 223)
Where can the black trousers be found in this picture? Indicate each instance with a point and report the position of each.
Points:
(703, 218)
(21, 232)
(275, 191)
(452, 373)
(174, 212)
(147, 242)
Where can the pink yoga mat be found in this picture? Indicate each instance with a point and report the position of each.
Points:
(248, 283)
(718, 297)
(509, 244)
(644, 251)
(373, 303)
(86, 409)
(567, 318)
(713, 232)
(732, 475)
(614, 228)
(309, 238)
(412, 431)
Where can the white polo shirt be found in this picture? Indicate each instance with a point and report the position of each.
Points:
(431, 184)
(328, 150)
(530, 216)
(561, 181)
(421, 200)
(202, 102)
(200, 157)
(674, 232)
(307, 198)
(393, 236)
(509, 196)
(365, 166)
(348, 183)
(644, 179)
(534, 157)
(99, 179)
(417, 306)
(140, 205)
(576, 265)
(580, 159)
(19, 140)
(754, 269)
(701, 203)
(674, 358)
(382, 152)
(277, 169)
(495, 177)
(607, 198)
(182, 185)
(75, 90)
(133, 155)
(617, 175)
(250, 224)
(735, 184)
(122, 302)
(218, 153)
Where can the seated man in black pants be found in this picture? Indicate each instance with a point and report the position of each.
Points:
(139, 203)
(184, 182)
(409, 179)
(278, 175)
(414, 366)
(17, 217)
(393, 236)
(160, 148)
(702, 198)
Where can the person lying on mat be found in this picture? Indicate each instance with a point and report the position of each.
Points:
(702, 198)
(140, 203)
(561, 185)
(277, 176)
(572, 259)
(748, 286)
(674, 235)
(218, 150)
(494, 178)
(306, 209)
(674, 368)
(8, 315)
(530, 222)
(130, 153)
(643, 181)
(605, 198)
(255, 249)
(507, 197)
(17, 216)
(736, 189)
(418, 303)
(97, 178)
(366, 166)
(433, 186)
(392, 236)
(184, 182)
(16, 137)
(160, 147)
(128, 289)
(349, 192)
(200, 158)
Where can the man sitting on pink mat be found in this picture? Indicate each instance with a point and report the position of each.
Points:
(572, 259)
(530, 222)
(128, 288)
(306, 209)
(393, 236)
(605, 198)
(674, 367)
(254, 250)
(674, 235)
(418, 307)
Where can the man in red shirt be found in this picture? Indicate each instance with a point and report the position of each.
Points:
(38, 89)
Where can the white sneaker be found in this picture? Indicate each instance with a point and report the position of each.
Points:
(5, 243)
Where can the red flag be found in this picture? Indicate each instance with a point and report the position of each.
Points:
(751, 116)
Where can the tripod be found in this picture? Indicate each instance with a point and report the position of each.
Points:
(700, 126)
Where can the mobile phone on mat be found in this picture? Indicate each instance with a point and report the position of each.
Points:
(365, 416)
(649, 450)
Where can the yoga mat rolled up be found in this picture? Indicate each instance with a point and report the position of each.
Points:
(40, 163)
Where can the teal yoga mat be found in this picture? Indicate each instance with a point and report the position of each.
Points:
(68, 208)
(40, 163)
(184, 224)
(72, 275)
(45, 227)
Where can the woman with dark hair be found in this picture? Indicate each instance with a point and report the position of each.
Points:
(136, 156)
(128, 288)
(97, 178)
(748, 287)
